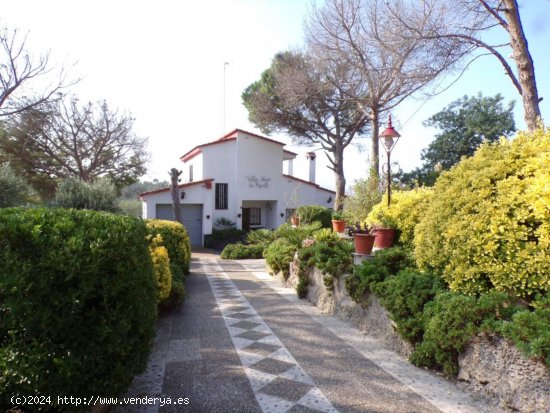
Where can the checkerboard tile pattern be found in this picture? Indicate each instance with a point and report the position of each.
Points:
(278, 381)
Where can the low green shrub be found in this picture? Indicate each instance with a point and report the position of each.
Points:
(404, 296)
(315, 213)
(296, 236)
(77, 302)
(385, 263)
(262, 237)
(451, 320)
(332, 258)
(278, 256)
(241, 251)
(530, 330)
(222, 237)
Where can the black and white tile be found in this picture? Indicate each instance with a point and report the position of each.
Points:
(278, 381)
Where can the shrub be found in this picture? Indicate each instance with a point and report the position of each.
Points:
(77, 302)
(295, 236)
(240, 251)
(487, 225)
(161, 268)
(99, 195)
(278, 256)
(530, 330)
(405, 212)
(262, 237)
(14, 191)
(385, 263)
(451, 321)
(314, 213)
(331, 257)
(175, 239)
(222, 237)
(404, 296)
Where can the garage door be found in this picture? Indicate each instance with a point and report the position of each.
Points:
(192, 219)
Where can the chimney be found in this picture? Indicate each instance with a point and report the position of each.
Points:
(310, 156)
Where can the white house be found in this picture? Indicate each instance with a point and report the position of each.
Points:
(240, 177)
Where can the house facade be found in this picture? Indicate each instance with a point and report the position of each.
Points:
(242, 177)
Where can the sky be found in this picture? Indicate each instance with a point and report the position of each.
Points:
(164, 62)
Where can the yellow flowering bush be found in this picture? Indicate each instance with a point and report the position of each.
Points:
(488, 223)
(404, 213)
(161, 267)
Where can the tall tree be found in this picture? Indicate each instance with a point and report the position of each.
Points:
(63, 139)
(19, 71)
(464, 22)
(388, 65)
(464, 125)
(175, 193)
(306, 100)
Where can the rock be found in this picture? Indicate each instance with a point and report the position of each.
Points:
(494, 367)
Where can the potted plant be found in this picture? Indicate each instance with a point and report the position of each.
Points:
(338, 223)
(384, 230)
(363, 238)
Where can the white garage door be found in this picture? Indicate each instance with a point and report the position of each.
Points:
(192, 219)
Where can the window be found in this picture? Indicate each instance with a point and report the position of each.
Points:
(221, 196)
(190, 173)
(255, 216)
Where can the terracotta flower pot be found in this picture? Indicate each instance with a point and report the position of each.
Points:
(363, 243)
(384, 237)
(338, 225)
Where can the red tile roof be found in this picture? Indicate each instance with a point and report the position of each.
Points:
(228, 137)
(186, 185)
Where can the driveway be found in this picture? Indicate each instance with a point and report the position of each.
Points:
(241, 342)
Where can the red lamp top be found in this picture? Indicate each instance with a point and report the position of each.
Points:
(389, 132)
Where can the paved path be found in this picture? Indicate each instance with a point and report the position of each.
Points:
(243, 343)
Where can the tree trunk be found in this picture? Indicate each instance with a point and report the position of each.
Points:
(175, 191)
(524, 63)
(339, 178)
(375, 158)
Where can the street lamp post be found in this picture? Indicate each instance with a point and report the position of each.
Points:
(389, 138)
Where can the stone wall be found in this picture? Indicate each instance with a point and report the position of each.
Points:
(490, 366)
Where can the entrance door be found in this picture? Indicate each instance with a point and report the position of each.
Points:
(246, 219)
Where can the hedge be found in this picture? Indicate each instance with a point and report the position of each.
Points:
(488, 223)
(161, 268)
(77, 303)
(178, 245)
(241, 251)
(175, 239)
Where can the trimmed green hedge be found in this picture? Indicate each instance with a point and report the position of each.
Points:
(77, 302)
(241, 251)
(176, 241)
